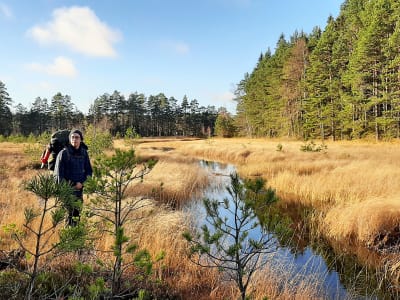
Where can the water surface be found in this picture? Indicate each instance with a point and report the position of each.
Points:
(337, 275)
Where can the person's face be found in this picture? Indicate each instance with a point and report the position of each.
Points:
(75, 140)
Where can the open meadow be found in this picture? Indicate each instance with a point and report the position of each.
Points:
(351, 186)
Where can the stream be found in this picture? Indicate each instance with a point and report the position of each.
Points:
(337, 274)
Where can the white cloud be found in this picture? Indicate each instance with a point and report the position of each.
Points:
(61, 66)
(181, 48)
(79, 29)
(5, 11)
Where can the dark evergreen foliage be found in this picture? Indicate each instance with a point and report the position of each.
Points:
(148, 116)
(341, 82)
(5, 112)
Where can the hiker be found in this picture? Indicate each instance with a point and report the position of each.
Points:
(73, 166)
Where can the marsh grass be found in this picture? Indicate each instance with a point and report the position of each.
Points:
(281, 280)
(360, 179)
(172, 182)
(353, 188)
(163, 232)
(15, 168)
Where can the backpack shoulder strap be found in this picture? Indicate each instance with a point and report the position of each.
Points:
(65, 149)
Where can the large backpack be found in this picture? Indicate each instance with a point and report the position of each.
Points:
(58, 141)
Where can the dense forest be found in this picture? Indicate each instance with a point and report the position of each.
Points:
(340, 82)
(147, 116)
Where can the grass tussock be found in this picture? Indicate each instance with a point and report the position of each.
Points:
(172, 182)
(366, 222)
(346, 176)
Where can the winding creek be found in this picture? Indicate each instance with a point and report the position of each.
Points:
(337, 274)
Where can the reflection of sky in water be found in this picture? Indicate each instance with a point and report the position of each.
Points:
(300, 265)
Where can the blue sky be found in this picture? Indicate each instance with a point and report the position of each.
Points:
(197, 48)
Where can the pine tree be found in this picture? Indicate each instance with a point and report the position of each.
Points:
(366, 65)
(109, 183)
(321, 104)
(5, 112)
(232, 240)
(291, 90)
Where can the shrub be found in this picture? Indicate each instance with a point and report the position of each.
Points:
(312, 147)
(97, 141)
(34, 152)
(13, 284)
(224, 125)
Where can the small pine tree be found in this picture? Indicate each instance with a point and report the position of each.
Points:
(111, 177)
(54, 199)
(227, 244)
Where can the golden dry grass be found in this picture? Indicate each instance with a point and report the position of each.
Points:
(354, 186)
(284, 283)
(174, 179)
(172, 182)
(356, 178)
(162, 231)
(15, 168)
(363, 221)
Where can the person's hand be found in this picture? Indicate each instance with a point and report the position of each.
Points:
(78, 186)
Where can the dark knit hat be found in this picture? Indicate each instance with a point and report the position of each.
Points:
(76, 131)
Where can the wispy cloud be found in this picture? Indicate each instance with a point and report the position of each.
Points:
(61, 66)
(178, 47)
(5, 11)
(38, 88)
(79, 29)
(224, 97)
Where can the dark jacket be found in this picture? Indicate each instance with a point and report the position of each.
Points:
(73, 165)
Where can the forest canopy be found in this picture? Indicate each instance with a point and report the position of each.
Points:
(147, 116)
(342, 82)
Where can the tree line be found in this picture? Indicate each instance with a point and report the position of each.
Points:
(147, 116)
(342, 82)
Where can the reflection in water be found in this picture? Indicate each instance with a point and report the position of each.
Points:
(338, 273)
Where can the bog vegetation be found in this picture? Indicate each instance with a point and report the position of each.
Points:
(352, 210)
(340, 82)
(141, 240)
